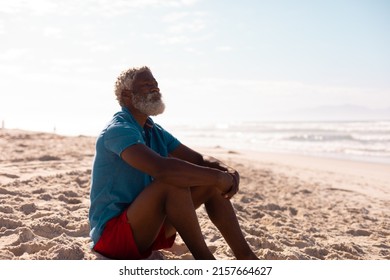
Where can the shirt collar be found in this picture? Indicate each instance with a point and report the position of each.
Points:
(149, 122)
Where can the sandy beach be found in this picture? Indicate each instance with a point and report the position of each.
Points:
(289, 206)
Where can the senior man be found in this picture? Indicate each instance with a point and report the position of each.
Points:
(146, 185)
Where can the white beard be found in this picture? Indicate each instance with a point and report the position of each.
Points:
(147, 105)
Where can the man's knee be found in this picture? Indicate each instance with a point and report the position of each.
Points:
(201, 195)
(168, 188)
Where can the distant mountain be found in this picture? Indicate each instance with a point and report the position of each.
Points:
(345, 112)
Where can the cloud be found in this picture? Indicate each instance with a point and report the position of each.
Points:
(52, 32)
(102, 48)
(11, 7)
(2, 28)
(183, 22)
(13, 54)
(174, 17)
(195, 25)
(182, 28)
(164, 39)
(98, 47)
(68, 62)
(87, 7)
(177, 39)
(224, 48)
(36, 7)
(194, 51)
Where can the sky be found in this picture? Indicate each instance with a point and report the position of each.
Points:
(215, 61)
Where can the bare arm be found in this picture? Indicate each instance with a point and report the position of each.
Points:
(175, 171)
(185, 153)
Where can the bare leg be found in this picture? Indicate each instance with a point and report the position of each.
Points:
(221, 213)
(158, 202)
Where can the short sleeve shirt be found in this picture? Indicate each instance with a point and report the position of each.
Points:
(115, 184)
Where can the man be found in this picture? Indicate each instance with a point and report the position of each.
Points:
(146, 185)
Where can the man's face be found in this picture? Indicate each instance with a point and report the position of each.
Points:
(145, 95)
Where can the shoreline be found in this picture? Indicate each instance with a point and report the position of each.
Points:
(370, 170)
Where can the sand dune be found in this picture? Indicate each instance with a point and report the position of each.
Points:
(290, 207)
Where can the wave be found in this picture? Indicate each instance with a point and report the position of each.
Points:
(366, 139)
(319, 137)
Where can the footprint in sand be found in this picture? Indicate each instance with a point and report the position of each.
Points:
(30, 247)
(359, 232)
(47, 230)
(11, 176)
(24, 235)
(28, 208)
(351, 248)
(6, 209)
(64, 198)
(9, 224)
(319, 253)
(67, 252)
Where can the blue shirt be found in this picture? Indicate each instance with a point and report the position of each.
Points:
(115, 184)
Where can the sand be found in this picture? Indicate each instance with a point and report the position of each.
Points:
(289, 206)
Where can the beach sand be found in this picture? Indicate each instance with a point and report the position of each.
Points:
(289, 206)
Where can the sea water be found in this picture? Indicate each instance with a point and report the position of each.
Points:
(357, 140)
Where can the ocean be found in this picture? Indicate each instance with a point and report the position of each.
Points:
(353, 140)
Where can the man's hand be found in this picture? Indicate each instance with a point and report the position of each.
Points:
(236, 176)
(229, 184)
(225, 182)
(234, 187)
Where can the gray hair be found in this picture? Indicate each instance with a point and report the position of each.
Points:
(125, 81)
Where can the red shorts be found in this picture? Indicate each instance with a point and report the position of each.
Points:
(117, 241)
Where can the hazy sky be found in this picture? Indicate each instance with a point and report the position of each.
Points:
(214, 60)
